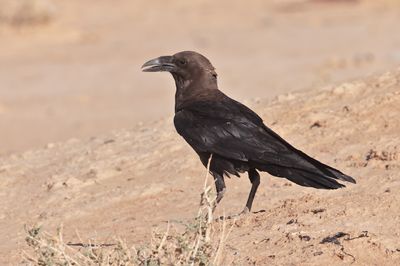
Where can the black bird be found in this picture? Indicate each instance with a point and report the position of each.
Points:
(235, 136)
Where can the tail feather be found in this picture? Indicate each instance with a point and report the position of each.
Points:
(303, 177)
(328, 170)
(316, 181)
(323, 170)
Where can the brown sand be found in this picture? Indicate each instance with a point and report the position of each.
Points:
(80, 77)
(128, 181)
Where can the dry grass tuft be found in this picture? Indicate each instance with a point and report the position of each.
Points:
(201, 242)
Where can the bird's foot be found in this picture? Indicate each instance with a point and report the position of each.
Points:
(240, 215)
(219, 197)
(245, 211)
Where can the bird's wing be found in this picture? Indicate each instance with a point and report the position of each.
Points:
(231, 130)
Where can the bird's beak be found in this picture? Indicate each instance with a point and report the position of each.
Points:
(162, 63)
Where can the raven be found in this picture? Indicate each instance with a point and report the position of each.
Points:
(237, 139)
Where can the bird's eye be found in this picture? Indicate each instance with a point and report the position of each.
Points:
(182, 62)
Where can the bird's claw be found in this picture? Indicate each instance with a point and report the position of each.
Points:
(244, 212)
(240, 215)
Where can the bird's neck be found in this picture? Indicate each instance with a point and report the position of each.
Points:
(191, 89)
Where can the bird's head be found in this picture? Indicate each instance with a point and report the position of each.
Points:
(184, 66)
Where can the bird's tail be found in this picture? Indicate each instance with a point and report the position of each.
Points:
(327, 171)
(305, 170)
(305, 178)
(320, 176)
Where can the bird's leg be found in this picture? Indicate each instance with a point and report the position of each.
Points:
(220, 187)
(254, 177)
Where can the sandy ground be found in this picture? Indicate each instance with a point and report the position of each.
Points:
(315, 72)
(125, 183)
(79, 75)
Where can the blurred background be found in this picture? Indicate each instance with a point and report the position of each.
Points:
(71, 68)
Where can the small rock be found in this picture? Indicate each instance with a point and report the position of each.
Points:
(305, 237)
(333, 239)
(108, 141)
(291, 221)
(316, 124)
(315, 211)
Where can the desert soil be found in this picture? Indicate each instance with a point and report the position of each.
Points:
(126, 182)
(67, 94)
(79, 75)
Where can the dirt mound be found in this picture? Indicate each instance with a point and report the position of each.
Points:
(126, 182)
